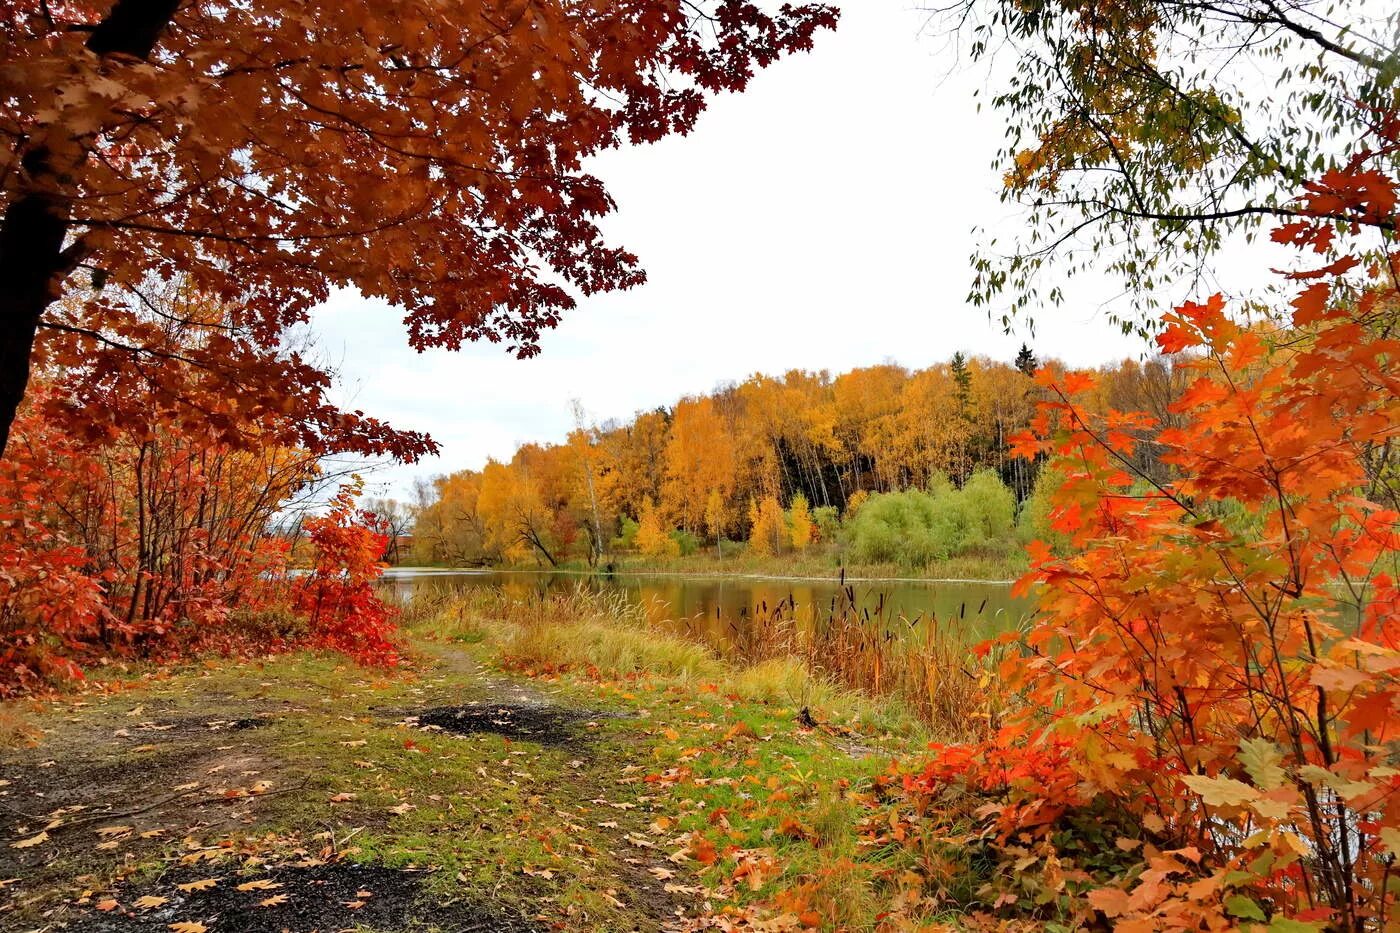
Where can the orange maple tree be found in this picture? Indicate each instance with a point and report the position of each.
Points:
(1209, 695)
(266, 152)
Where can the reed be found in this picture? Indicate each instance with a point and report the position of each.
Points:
(927, 664)
(846, 657)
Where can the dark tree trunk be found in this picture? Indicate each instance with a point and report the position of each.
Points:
(31, 258)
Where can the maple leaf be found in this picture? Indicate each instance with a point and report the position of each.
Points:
(1310, 303)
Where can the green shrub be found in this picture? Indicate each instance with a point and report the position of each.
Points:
(990, 512)
(687, 542)
(1034, 521)
(914, 528)
(627, 539)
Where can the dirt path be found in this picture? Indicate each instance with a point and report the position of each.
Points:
(307, 795)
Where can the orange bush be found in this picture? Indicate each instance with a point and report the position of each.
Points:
(1207, 725)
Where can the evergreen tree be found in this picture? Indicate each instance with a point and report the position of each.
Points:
(963, 377)
(1026, 361)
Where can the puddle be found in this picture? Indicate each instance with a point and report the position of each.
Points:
(530, 722)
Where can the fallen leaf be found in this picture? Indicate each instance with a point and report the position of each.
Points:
(262, 884)
(107, 903)
(341, 797)
(147, 901)
(30, 842)
(188, 926)
(203, 884)
(275, 900)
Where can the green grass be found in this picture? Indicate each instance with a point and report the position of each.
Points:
(695, 774)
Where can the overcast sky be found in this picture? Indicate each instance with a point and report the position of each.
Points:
(820, 220)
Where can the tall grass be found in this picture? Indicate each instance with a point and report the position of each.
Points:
(857, 662)
(926, 664)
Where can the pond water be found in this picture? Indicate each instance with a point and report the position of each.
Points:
(723, 609)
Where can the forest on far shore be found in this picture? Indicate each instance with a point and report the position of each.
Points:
(776, 466)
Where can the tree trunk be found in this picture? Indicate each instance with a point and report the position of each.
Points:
(31, 258)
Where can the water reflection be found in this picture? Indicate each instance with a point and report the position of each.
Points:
(723, 610)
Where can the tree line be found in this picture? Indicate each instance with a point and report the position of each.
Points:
(715, 467)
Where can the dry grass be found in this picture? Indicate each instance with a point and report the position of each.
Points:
(851, 664)
(926, 665)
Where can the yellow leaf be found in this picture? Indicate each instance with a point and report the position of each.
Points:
(262, 884)
(1263, 760)
(203, 884)
(188, 926)
(273, 901)
(30, 842)
(146, 902)
(1220, 791)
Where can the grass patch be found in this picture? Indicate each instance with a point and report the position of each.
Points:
(691, 782)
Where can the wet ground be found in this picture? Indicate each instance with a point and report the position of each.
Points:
(295, 898)
(532, 722)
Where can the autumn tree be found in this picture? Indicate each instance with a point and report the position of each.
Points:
(768, 531)
(514, 514)
(269, 152)
(653, 539)
(716, 519)
(700, 459)
(800, 525)
(396, 519)
(1206, 702)
(585, 457)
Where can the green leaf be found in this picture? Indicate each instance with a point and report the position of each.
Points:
(1284, 925)
(1241, 906)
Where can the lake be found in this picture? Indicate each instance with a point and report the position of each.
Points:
(721, 609)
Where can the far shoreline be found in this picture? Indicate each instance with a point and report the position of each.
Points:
(405, 571)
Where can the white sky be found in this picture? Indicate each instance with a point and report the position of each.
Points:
(820, 220)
